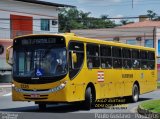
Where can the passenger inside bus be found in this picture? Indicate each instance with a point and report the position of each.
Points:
(126, 64)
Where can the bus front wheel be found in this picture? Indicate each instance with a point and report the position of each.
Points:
(135, 93)
(88, 99)
(42, 106)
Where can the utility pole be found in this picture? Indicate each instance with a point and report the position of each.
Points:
(132, 3)
(154, 37)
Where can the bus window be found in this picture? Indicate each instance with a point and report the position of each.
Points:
(151, 60)
(126, 58)
(1, 49)
(106, 59)
(78, 48)
(93, 56)
(143, 59)
(117, 57)
(135, 59)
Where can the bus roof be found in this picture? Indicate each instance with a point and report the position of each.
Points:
(112, 43)
(72, 36)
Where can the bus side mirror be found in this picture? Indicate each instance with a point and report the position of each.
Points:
(74, 57)
(8, 54)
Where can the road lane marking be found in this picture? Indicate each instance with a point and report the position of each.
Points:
(8, 94)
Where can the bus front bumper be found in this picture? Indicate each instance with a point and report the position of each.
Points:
(56, 94)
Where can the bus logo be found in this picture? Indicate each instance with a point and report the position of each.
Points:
(100, 76)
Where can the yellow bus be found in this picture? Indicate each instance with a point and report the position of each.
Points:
(68, 68)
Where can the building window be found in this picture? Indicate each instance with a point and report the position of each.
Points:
(45, 24)
(1, 49)
(132, 42)
(149, 43)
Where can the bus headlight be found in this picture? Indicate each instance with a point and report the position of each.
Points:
(13, 85)
(60, 87)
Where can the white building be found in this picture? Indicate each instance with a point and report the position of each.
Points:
(18, 17)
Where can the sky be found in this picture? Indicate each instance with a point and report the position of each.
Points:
(114, 8)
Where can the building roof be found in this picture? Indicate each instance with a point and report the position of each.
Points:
(45, 3)
(147, 23)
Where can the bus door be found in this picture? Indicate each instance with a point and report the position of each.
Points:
(76, 71)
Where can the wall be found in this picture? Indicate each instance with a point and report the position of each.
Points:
(123, 33)
(36, 11)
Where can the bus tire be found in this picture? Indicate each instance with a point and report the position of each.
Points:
(42, 106)
(135, 93)
(88, 99)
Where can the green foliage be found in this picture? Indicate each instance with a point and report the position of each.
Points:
(151, 14)
(124, 21)
(151, 105)
(75, 19)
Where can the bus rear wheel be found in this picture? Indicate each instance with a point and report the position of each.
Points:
(135, 93)
(88, 99)
(42, 106)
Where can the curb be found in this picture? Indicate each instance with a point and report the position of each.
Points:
(148, 113)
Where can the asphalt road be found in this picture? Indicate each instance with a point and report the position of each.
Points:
(28, 110)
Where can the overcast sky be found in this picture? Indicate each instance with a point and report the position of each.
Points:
(114, 8)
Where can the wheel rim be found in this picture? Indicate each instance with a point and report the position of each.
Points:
(91, 98)
(135, 93)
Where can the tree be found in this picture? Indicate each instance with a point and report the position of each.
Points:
(124, 21)
(69, 19)
(75, 19)
(152, 15)
(104, 17)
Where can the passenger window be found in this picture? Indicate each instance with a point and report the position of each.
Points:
(144, 59)
(93, 60)
(127, 64)
(151, 60)
(78, 49)
(117, 57)
(106, 59)
(136, 59)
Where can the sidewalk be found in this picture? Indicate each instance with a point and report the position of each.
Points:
(5, 88)
(5, 85)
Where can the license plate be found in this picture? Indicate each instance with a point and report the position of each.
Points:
(35, 95)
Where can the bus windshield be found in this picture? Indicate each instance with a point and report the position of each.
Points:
(47, 60)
